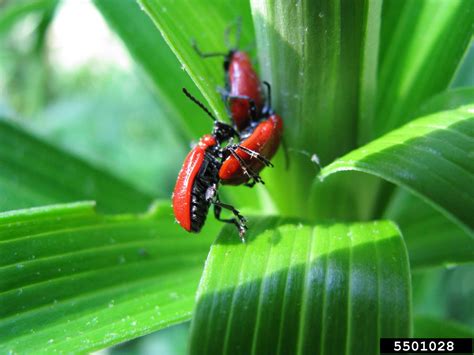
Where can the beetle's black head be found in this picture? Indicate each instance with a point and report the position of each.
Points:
(223, 131)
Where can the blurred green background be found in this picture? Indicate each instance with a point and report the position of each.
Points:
(77, 87)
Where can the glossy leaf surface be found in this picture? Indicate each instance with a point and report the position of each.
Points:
(321, 59)
(181, 23)
(298, 288)
(421, 48)
(73, 279)
(431, 156)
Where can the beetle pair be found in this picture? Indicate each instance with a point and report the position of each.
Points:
(209, 163)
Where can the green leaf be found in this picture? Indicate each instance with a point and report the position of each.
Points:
(313, 54)
(34, 173)
(298, 288)
(181, 22)
(321, 59)
(76, 281)
(150, 50)
(421, 48)
(431, 238)
(432, 157)
(431, 327)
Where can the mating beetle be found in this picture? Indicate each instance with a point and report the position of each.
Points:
(261, 136)
(198, 180)
(241, 82)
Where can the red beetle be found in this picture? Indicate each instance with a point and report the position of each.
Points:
(258, 144)
(263, 138)
(243, 88)
(197, 183)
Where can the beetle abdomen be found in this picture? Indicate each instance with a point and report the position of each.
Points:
(208, 175)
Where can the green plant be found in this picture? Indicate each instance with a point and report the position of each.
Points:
(362, 86)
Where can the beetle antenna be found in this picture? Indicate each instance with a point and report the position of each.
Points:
(206, 55)
(199, 103)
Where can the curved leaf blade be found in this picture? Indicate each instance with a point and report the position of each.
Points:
(421, 48)
(34, 173)
(298, 288)
(431, 156)
(73, 280)
(180, 23)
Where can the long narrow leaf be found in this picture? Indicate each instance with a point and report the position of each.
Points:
(34, 173)
(320, 57)
(73, 280)
(181, 23)
(298, 288)
(421, 47)
(312, 54)
(431, 156)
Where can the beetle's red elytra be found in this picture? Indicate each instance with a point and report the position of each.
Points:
(197, 183)
(259, 131)
(182, 195)
(243, 85)
(264, 139)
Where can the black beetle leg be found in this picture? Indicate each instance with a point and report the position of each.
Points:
(246, 169)
(256, 155)
(239, 221)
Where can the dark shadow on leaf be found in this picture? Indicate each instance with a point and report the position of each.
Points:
(367, 286)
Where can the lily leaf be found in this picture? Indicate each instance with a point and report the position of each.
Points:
(313, 54)
(33, 173)
(72, 279)
(432, 239)
(431, 156)
(181, 23)
(299, 288)
(321, 59)
(416, 63)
